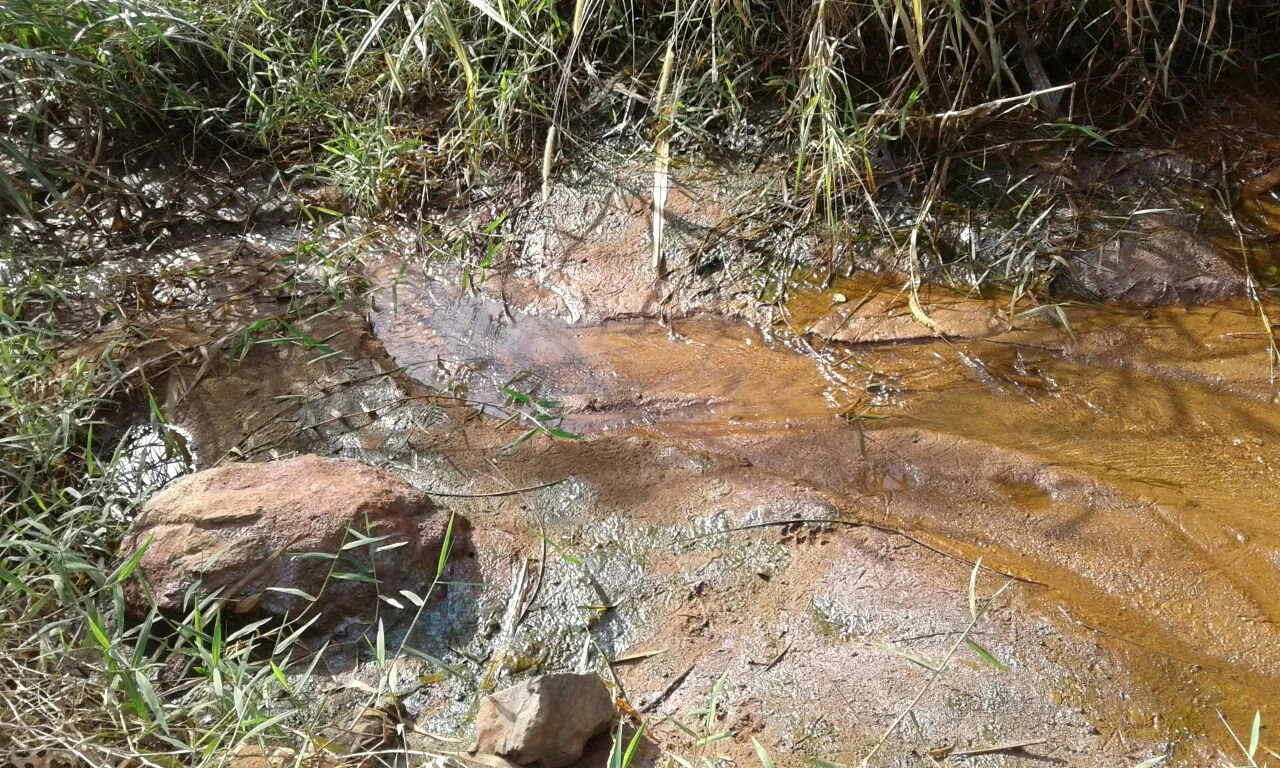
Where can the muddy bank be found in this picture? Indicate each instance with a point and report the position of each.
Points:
(1113, 460)
(709, 560)
(815, 625)
(1191, 222)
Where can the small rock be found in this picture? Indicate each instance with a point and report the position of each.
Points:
(254, 756)
(546, 720)
(239, 529)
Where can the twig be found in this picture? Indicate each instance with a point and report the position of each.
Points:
(666, 692)
(1005, 746)
(512, 492)
(617, 684)
(542, 534)
(771, 663)
(985, 108)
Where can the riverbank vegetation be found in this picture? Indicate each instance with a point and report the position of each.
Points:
(402, 103)
(84, 685)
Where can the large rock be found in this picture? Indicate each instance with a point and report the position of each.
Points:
(546, 720)
(246, 528)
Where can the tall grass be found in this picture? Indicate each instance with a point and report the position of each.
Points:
(401, 100)
(82, 678)
(57, 585)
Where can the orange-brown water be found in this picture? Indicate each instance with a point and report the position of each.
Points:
(1127, 460)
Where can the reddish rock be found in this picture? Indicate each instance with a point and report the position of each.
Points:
(240, 529)
(546, 720)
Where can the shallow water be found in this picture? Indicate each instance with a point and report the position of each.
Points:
(1127, 460)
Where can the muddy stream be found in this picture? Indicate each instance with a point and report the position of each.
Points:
(785, 500)
(1122, 467)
